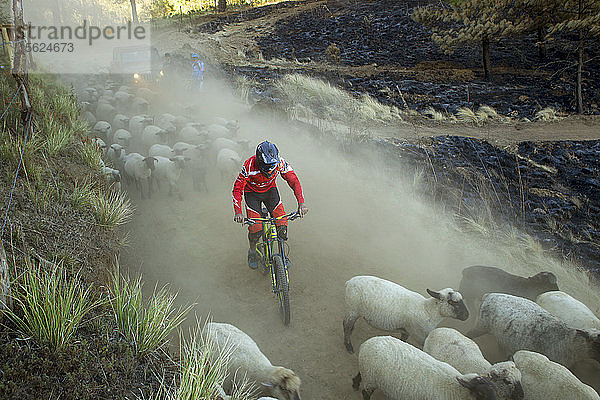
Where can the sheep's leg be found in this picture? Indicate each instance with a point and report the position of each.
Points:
(149, 186)
(349, 322)
(139, 187)
(367, 393)
(356, 381)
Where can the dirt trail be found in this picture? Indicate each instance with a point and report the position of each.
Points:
(361, 222)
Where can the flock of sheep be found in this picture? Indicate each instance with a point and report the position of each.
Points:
(147, 150)
(542, 331)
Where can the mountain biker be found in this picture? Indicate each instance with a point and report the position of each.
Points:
(256, 181)
(197, 71)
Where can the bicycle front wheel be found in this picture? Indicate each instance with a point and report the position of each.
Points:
(283, 287)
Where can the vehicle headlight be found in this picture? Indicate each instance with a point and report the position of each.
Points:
(161, 72)
(136, 76)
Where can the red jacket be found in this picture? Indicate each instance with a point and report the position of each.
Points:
(251, 179)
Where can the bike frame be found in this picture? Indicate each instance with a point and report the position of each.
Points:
(266, 248)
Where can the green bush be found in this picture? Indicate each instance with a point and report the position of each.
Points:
(49, 307)
(146, 328)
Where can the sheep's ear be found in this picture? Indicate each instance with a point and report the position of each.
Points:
(435, 295)
(464, 382)
(583, 333)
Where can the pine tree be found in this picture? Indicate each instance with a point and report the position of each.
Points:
(472, 21)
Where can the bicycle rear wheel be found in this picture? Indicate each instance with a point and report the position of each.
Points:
(283, 287)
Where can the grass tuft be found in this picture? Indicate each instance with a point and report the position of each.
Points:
(112, 208)
(49, 306)
(548, 114)
(465, 114)
(434, 115)
(146, 328)
(83, 194)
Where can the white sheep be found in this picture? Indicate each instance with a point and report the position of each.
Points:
(232, 125)
(139, 169)
(229, 163)
(546, 380)
(137, 123)
(120, 121)
(198, 164)
(389, 306)
(122, 99)
(169, 169)
(99, 144)
(113, 177)
(153, 134)
(218, 130)
(162, 150)
(452, 347)
(103, 130)
(240, 146)
(122, 137)
(105, 111)
(521, 324)
(192, 133)
(570, 310)
(116, 155)
(139, 106)
(402, 371)
(87, 115)
(247, 361)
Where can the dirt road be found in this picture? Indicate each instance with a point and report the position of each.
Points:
(362, 220)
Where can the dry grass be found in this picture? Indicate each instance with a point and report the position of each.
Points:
(465, 114)
(434, 115)
(548, 114)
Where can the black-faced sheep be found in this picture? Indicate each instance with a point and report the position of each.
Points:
(402, 371)
(521, 324)
(452, 347)
(389, 306)
(247, 361)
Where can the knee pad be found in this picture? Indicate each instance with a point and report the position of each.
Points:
(282, 232)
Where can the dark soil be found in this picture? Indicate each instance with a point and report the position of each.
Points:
(549, 189)
(401, 55)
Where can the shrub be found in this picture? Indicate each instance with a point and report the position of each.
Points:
(49, 306)
(148, 327)
(333, 54)
(112, 208)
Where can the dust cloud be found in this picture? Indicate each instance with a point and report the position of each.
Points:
(364, 219)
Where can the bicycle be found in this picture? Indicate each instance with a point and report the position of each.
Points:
(273, 261)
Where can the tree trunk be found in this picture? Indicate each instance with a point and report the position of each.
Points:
(486, 57)
(134, 11)
(579, 74)
(580, 62)
(541, 45)
(20, 65)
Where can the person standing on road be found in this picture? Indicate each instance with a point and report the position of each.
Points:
(197, 71)
(256, 181)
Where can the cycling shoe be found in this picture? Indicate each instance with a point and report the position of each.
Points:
(252, 259)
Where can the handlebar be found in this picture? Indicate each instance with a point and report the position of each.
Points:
(291, 216)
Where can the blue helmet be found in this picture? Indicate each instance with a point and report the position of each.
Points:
(195, 55)
(267, 158)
